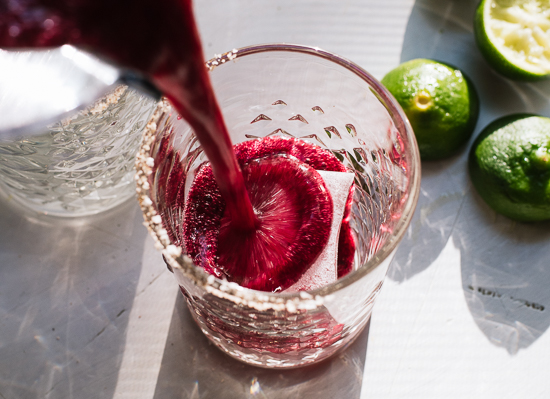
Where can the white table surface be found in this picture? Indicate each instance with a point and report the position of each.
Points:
(88, 310)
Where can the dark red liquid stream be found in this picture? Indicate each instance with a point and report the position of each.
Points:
(157, 38)
(160, 40)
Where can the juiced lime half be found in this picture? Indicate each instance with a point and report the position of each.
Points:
(514, 37)
(510, 166)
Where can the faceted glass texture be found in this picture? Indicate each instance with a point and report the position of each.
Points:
(81, 165)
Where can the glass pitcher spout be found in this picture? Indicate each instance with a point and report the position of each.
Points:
(39, 87)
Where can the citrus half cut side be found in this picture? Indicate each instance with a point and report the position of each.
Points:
(514, 37)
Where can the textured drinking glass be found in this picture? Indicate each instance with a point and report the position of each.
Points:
(83, 164)
(318, 97)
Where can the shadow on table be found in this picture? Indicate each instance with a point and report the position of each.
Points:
(66, 288)
(438, 30)
(194, 368)
(505, 265)
(443, 30)
(441, 195)
(505, 274)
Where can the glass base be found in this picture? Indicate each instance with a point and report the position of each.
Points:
(91, 204)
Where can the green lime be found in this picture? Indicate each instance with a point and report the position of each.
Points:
(514, 37)
(510, 166)
(440, 102)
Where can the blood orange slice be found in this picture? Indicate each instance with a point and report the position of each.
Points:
(294, 215)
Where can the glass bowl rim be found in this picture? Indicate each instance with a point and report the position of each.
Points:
(173, 256)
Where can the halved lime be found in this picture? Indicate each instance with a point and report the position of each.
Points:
(514, 37)
(440, 102)
(510, 166)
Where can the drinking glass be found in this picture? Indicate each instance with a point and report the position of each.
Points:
(83, 164)
(313, 95)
